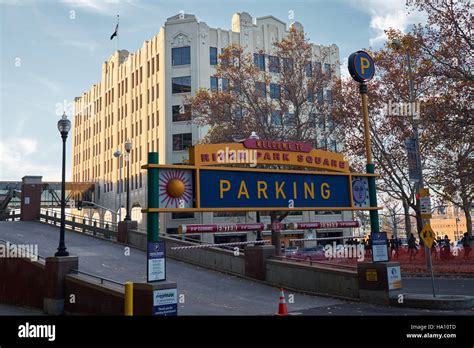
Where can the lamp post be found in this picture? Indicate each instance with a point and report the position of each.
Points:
(128, 148)
(259, 233)
(397, 44)
(64, 125)
(119, 156)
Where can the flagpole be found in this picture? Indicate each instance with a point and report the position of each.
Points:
(118, 36)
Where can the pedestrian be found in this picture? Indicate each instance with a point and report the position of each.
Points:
(434, 249)
(412, 247)
(369, 245)
(445, 248)
(466, 245)
(393, 247)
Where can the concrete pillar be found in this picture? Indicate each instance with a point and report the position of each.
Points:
(31, 188)
(378, 282)
(158, 298)
(255, 260)
(123, 229)
(55, 270)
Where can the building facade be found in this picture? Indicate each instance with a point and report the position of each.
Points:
(140, 99)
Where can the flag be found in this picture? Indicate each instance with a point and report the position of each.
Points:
(116, 29)
(115, 32)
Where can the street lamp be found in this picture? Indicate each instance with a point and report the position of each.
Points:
(397, 44)
(128, 148)
(259, 233)
(118, 154)
(64, 125)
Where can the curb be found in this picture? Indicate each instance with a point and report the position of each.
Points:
(442, 302)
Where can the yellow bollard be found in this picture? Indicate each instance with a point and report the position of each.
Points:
(128, 297)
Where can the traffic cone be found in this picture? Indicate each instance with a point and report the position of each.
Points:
(282, 310)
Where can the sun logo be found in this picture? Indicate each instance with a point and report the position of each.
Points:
(176, 190)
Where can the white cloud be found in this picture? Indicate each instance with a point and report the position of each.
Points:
(89, 45)
(344, 71)
(103, 7)
(19, 157)
(385, 15)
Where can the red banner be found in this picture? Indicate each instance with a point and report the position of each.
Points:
(220, 228)
(319, 225)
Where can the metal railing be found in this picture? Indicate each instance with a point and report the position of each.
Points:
(6, 215)
(79, 224)
(102, 279)
(89, 221)
(310, 262)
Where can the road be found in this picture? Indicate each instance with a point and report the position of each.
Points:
(208, 292)
(205, 291)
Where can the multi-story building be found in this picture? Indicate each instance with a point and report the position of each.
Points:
(140, 98)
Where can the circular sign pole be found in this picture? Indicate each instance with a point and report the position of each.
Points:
(362, 68)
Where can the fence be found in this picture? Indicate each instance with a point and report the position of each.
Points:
(80, 224)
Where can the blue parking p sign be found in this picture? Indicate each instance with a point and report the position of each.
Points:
(361, 66)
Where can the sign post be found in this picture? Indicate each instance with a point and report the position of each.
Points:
(379, 247)
(379, 281)
(428, 237)
(163, 293)
(362, 69)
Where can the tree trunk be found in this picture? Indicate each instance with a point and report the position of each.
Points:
(467, 213)
(406, 211)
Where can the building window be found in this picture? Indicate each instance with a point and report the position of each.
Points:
(310, 96)
(181, 113)
(274, 64)
(308, 69)
(320, 95)
(329, 97)
(260, 89)
(275, 91)
(276, 118)
(225, 85)
(213, 55)
(214, 84)
(238, 112)
(236, 86)
(181, 55)
(259, 61)
(327, 69)
(182, 141)
(181, 84)
(288, 64)
(289, 119)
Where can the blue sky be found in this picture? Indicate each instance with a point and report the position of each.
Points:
(52, 51)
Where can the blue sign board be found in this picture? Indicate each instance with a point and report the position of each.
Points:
(242, 189)
(156, 261)
(379, 247)
(361, 66)
(165, 302)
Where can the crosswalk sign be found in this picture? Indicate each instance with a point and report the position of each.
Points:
(427, 235)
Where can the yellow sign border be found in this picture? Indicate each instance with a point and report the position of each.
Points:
(196, 152)
(198, 203)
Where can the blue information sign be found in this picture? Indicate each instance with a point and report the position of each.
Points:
(361, 66)
(156, 261)
(165, 302)
(379, 247)
(242, 189)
